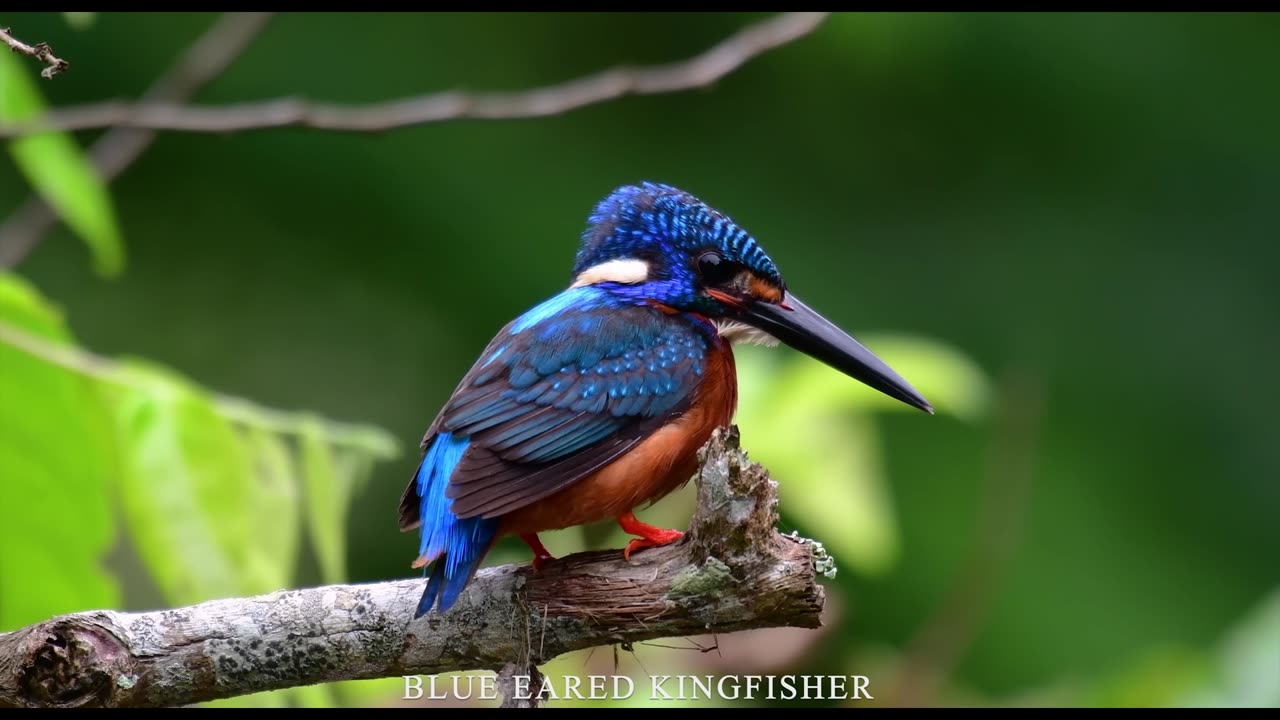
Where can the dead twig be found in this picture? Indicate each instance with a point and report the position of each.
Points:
(39, 51)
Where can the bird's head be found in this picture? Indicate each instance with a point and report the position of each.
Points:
(659, 244)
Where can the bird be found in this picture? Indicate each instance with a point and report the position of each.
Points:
(595, 401)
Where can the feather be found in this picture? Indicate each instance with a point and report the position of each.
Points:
(740, 333)
(455, 546)
(560, 392)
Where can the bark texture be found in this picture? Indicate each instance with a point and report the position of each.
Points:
(732, 571)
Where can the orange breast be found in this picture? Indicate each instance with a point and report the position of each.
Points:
(661, 463)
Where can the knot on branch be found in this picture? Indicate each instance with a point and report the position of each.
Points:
(70, 662)
(737, 507)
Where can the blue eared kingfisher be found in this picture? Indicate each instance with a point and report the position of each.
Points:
(597, 400)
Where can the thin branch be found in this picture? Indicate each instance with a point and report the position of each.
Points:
(732, 571)
(207, 58)
(697, 72)
(39, 51)
(235, 409)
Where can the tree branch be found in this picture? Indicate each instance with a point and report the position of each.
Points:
(39, 51)
(206, 59)
(697, 72)
(732, 571)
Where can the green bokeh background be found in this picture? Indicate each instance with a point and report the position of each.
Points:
(1085, 199)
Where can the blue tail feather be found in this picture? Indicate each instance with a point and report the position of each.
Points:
(454, 547)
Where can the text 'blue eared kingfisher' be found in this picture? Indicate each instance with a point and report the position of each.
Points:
(597, 401)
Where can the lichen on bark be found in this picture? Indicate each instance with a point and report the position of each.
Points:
(732, 571)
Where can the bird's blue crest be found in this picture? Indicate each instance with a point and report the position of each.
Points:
(659, 223)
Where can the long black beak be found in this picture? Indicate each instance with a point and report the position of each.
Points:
(797, 325)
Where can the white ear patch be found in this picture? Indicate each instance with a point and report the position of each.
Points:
(626, 272)
(743, 334)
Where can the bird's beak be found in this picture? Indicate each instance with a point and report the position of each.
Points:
(799, 326)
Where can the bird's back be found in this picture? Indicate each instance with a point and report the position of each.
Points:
(583, 383)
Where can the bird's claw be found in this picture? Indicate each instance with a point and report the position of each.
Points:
(662, 537)
(541, 556)
(540, 561)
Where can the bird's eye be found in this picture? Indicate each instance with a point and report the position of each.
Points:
(714, 269)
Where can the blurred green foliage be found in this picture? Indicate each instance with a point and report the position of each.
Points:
(1087, 199)
(58, 171)
(209, 490)
(56, 461)
(832, 479)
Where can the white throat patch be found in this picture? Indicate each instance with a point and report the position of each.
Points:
(624, 271)
(743, 334)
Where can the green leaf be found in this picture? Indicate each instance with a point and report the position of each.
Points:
(1155, 679)
(813, 428)
(326, 502)
(951, 382)
(55, 468)
(1247, 663)
(843, 492)
(332, 476)
(826, 460)
(276, 508)
(208, 486)
(320, 696)
(313, 696)
(186, 487)
(268, 699)
(58, 170)
(377, 692)
(353, 469)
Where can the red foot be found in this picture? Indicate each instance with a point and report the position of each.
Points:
(540, 554)
(650, 536)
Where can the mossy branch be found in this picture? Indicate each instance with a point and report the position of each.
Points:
(732, 571)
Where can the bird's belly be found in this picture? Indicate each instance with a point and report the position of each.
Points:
(658, 465)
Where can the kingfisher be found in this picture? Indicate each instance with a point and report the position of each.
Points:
(596, 401)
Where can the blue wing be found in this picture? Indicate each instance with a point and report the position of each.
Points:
(564, 390)
(560, 392)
